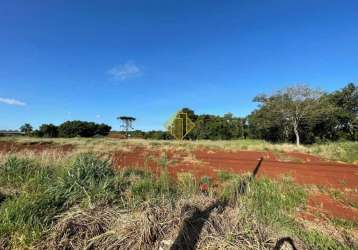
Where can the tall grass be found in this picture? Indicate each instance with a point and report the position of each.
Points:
(42, 193)
(275, 204)
(338, 151)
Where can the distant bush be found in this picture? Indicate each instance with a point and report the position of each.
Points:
(26, 128)
(72, 129)
(157, 135)
(102, 129)
(48, 130)
(83, 129)
(153, 134)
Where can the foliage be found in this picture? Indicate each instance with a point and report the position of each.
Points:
(83, 129)
(302, 114)
(157, 135)
(296, 114)
(290, 108)
(216, 127)
(26, 128)
(48, 130)
(346, 101)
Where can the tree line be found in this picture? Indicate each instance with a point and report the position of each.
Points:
(297, 114)
(67, 129)
(301, 114)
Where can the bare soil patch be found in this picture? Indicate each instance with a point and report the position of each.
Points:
(309, 170)
(325, 206)
(37, 147)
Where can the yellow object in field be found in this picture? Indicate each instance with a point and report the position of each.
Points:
(180, 125)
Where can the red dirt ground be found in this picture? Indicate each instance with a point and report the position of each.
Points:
(326, 206)
(6, 147)
(305, 169)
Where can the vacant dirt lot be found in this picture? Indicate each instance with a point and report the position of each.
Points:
(304, 169)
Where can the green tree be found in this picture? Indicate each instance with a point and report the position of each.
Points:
(289, 110)
(191, 114)
(346, 102)
(102, 129)
(48, 130)
(26, 128)
(82, 128)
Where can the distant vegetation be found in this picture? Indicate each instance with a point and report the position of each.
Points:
(306, 115)
(153, 134)
(296, 114)
(68, 129)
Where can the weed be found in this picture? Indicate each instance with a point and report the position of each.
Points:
(345, 223)
(318, 241)
(225, 176)
(187, 183)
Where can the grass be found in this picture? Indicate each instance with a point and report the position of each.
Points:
(337, 151)
(82, 202)
(275, 204)
(44, 192)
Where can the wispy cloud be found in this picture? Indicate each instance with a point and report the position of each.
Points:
(125, 71)
(98, 116)
(10, 101)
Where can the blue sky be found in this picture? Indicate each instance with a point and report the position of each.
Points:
(95, 60)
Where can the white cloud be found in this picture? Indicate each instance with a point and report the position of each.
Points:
(98, 116)
(125, 71)
(10, 101)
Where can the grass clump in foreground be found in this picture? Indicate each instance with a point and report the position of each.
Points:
(87, 204)
(43, 192)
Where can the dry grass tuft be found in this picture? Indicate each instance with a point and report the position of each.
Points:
(345, 237)
(157, 227)
(4, 242)
(77, 226)
(141, 229)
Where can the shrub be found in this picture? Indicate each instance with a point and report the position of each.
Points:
(187, 183)
(44, 193)
(83, 129)
(48, 130)
(157, 135)
(89, 179)
(24, 173)
(26, 128)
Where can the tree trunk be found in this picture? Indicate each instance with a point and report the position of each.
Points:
(295, 129)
